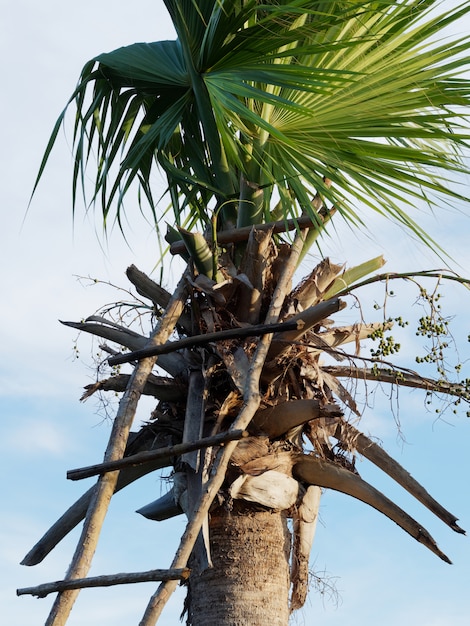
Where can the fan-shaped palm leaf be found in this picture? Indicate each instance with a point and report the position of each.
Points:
(255, 98)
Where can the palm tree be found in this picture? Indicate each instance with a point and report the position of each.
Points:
(264, 117)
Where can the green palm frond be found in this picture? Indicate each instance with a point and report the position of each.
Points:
(256, 104)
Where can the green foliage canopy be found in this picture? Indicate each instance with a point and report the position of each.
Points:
(257, 106)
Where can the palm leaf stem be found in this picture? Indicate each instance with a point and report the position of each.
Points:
(174, 364)
(397, 376)
(76, 513)
(439, 274)
(377, 455)
(305, 320)
(304, 527)
(279, 419)
(315, 471)
(161, 387)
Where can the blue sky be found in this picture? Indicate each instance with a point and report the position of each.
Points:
(381, 574)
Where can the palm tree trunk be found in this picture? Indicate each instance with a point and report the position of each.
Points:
(249, 581)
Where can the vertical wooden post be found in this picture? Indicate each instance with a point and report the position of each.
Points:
(106, 484)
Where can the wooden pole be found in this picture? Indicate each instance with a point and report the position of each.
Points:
(41, 591)
(236, 235)
(202, 340)
(156, 455)
(106, 483)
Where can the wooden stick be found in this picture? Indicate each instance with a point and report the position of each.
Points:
(252, 400)
(41, 591)
(201, 340)
(106, 484)
(155, 455)
(241, 234)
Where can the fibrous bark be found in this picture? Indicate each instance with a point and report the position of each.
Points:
(249, 581)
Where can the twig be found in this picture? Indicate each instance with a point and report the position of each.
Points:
(117, 442)
(41, 591)
(155, 455)
(251, 398)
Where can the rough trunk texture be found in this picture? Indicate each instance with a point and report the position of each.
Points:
(249, 581)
